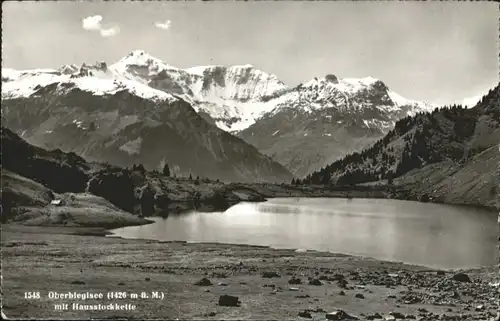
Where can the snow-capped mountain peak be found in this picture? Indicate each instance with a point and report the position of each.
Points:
(401, 101)
(68, 69)
(345, 91)
(140, 66)
(140, 58)
(341, 84)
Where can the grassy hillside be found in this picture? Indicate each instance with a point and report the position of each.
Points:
(28, 202)
(474, 182)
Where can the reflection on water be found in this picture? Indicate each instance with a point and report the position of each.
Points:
(429, 234)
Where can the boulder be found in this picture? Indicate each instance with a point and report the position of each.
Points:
(229, 301)
(315, 282)
(203, 282)
(305, 314)
(342, 283)
(397, 315)
(461, 277)
(295, 280)
(339, 315)
(337, 277)
(375, 316)
(271, 275)
(424, 198)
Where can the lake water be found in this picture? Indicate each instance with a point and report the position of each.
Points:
(433, 235)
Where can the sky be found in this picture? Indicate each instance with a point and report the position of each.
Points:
(438, 52)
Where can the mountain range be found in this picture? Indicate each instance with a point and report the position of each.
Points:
(326, 118)
(232, 123)
(103, 115)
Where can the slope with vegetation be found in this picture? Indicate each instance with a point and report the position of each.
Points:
(455, 149)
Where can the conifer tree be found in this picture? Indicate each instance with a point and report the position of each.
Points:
(166, 170)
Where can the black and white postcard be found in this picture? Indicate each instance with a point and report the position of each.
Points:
(250, 160)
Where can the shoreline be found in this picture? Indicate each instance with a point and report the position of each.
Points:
(105, 231)
(424, 268)
(78, 263)
(380, 194)
(108, 233)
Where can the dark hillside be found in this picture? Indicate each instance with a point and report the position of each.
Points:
(452, 133)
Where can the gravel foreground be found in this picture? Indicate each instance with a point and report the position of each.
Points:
(197, 281)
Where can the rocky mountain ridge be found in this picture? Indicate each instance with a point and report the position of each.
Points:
(208, 85)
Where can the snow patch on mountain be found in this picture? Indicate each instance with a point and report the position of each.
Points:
(401, 101)
(27, 82)
(231, 116)
(132, 147)
(470, 102)
(106, 86)
(201, 70)
(353, 85)
(9, 74)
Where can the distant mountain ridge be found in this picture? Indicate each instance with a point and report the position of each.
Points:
(303, 128)
(241, 93)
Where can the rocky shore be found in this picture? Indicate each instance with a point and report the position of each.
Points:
(223, 281)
